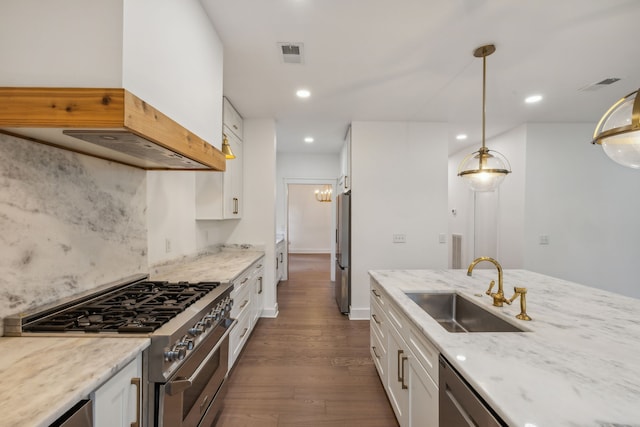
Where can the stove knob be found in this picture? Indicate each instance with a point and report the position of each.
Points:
(177, 352)
(196, 330)
(208, 320)
(216, 314)
(188, 342)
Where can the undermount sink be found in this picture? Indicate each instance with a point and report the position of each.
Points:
(455, 313)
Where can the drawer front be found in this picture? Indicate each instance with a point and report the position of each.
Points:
(241, 299)
(379, 356)
(378, 321)
(424, 351)
(239, 336)
(397, 319)
(377, 294)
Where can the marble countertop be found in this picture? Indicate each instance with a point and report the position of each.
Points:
(578, 364)
(221, 266)
(42, 377)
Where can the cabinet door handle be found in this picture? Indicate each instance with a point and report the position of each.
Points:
(375, 352)
(260, 281)
(235, 206)
(404, 359)
(346, 181)
(375, 318)
(400, 379)
(281, 255)
(235, 127)
(136, 382)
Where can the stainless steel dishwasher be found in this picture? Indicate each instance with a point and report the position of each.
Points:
(460, 405)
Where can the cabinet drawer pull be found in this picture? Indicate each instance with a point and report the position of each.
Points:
(258, 266)
(375, 318)
(376, 293)
(399, 363)
(404, 359)
(260, 281)
(244, 280)
(235, 206)
(244, 332)
(281, 255)
(136, 382)
(244, 304)
(375, 351)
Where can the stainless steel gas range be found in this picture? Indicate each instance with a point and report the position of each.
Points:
(188, 324)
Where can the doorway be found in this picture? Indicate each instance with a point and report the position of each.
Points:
(310, 224)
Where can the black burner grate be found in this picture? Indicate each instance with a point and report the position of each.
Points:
(135, 308)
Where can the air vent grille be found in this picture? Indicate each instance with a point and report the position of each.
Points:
(595, 86)
(291, 53)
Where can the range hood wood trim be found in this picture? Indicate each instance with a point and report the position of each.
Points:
(102, 108)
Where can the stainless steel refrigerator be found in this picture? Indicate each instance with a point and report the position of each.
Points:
(343, 252)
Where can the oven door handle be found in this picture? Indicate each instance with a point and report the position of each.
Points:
(180, 384)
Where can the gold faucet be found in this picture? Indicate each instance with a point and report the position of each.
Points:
(498, 297)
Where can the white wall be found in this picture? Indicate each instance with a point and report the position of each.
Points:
(308, 167)
(586, 204)
(399, 185)
(258, 224)
(310, 227)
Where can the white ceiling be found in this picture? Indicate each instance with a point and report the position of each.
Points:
(412, 60)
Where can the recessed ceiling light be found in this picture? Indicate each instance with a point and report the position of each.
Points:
(461, 137)
(303, 93)
(533, 99)
(308, 140)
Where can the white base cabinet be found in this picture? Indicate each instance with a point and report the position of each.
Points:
(410, 374)
(117, 403)
(248, 302)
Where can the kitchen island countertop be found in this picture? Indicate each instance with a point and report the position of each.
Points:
(43, 377)
(578, 364)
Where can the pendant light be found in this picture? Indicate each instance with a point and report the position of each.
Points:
(619, 131)
(226, 148)
(485, 169)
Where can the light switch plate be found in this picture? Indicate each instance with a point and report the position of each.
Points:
(399, 238)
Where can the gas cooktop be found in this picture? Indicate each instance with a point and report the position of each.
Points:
(135, 308)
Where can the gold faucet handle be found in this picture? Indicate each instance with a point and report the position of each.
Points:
(491, 285)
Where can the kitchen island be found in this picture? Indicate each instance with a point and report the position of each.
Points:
(578, 364)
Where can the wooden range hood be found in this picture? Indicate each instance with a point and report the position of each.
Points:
(108, 123)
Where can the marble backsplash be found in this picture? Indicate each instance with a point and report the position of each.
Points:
(68, 223)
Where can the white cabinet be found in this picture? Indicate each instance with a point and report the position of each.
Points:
(231, 118)
(219, 195)
(248, 301)
(117, 403)
(406, 362)
(344, 182)
(281, 261)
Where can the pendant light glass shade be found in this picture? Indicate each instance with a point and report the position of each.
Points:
(226, 148)
(619, 131)
(485, 169)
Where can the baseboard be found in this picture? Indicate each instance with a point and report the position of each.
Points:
(359, 313)
(309, 251)
(270, 312)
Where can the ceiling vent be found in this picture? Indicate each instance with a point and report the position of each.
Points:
(595, 86)
(291, 53)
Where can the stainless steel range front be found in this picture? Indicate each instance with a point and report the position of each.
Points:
(188, 323)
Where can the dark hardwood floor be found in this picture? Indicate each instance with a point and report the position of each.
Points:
(308, 367)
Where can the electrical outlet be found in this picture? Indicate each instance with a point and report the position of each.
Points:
(544, 239)
(399, 238)
(167, 245)
(442, 238)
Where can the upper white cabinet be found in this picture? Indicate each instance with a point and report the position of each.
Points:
(220, 195)
(344, 182)
(231, 118)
